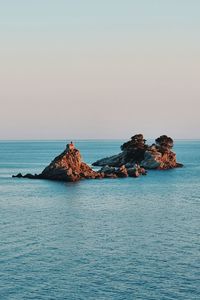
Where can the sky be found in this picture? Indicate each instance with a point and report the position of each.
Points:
(99, 69)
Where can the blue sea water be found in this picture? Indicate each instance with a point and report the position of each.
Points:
(98, 239)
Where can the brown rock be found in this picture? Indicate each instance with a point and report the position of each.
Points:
(157, 156)
(122, 172)
(68, 166)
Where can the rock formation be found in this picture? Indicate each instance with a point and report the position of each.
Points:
(136, 151)
(68, 166)
(123, 171)
(135, 158)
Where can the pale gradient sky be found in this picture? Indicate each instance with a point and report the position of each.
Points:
(99, 69)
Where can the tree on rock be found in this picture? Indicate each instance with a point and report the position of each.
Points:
(137, 142)
(164, 143)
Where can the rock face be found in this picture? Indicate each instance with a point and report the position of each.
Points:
(68, 166)
(136, 151)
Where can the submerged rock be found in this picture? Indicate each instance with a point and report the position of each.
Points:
(157, 156)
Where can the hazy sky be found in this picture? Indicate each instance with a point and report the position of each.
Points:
(99, 69)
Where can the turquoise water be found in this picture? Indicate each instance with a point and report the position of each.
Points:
(98, 239)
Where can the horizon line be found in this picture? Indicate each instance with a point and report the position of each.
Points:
(87, 139)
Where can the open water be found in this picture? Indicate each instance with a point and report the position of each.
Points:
(98, 239)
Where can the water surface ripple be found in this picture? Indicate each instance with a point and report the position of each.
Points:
(98, 239)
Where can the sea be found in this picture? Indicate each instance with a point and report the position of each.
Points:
(126, 238)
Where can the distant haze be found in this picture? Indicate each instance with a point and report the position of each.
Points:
(99, 69)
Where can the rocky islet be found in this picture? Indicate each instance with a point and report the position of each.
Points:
(159, 155)
(134, 159)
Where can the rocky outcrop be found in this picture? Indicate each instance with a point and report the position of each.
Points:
(122, 172)
(136, 151)
(68, 166)
(160, 155)
(132, 152)
(155, 159)
(135, 158)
